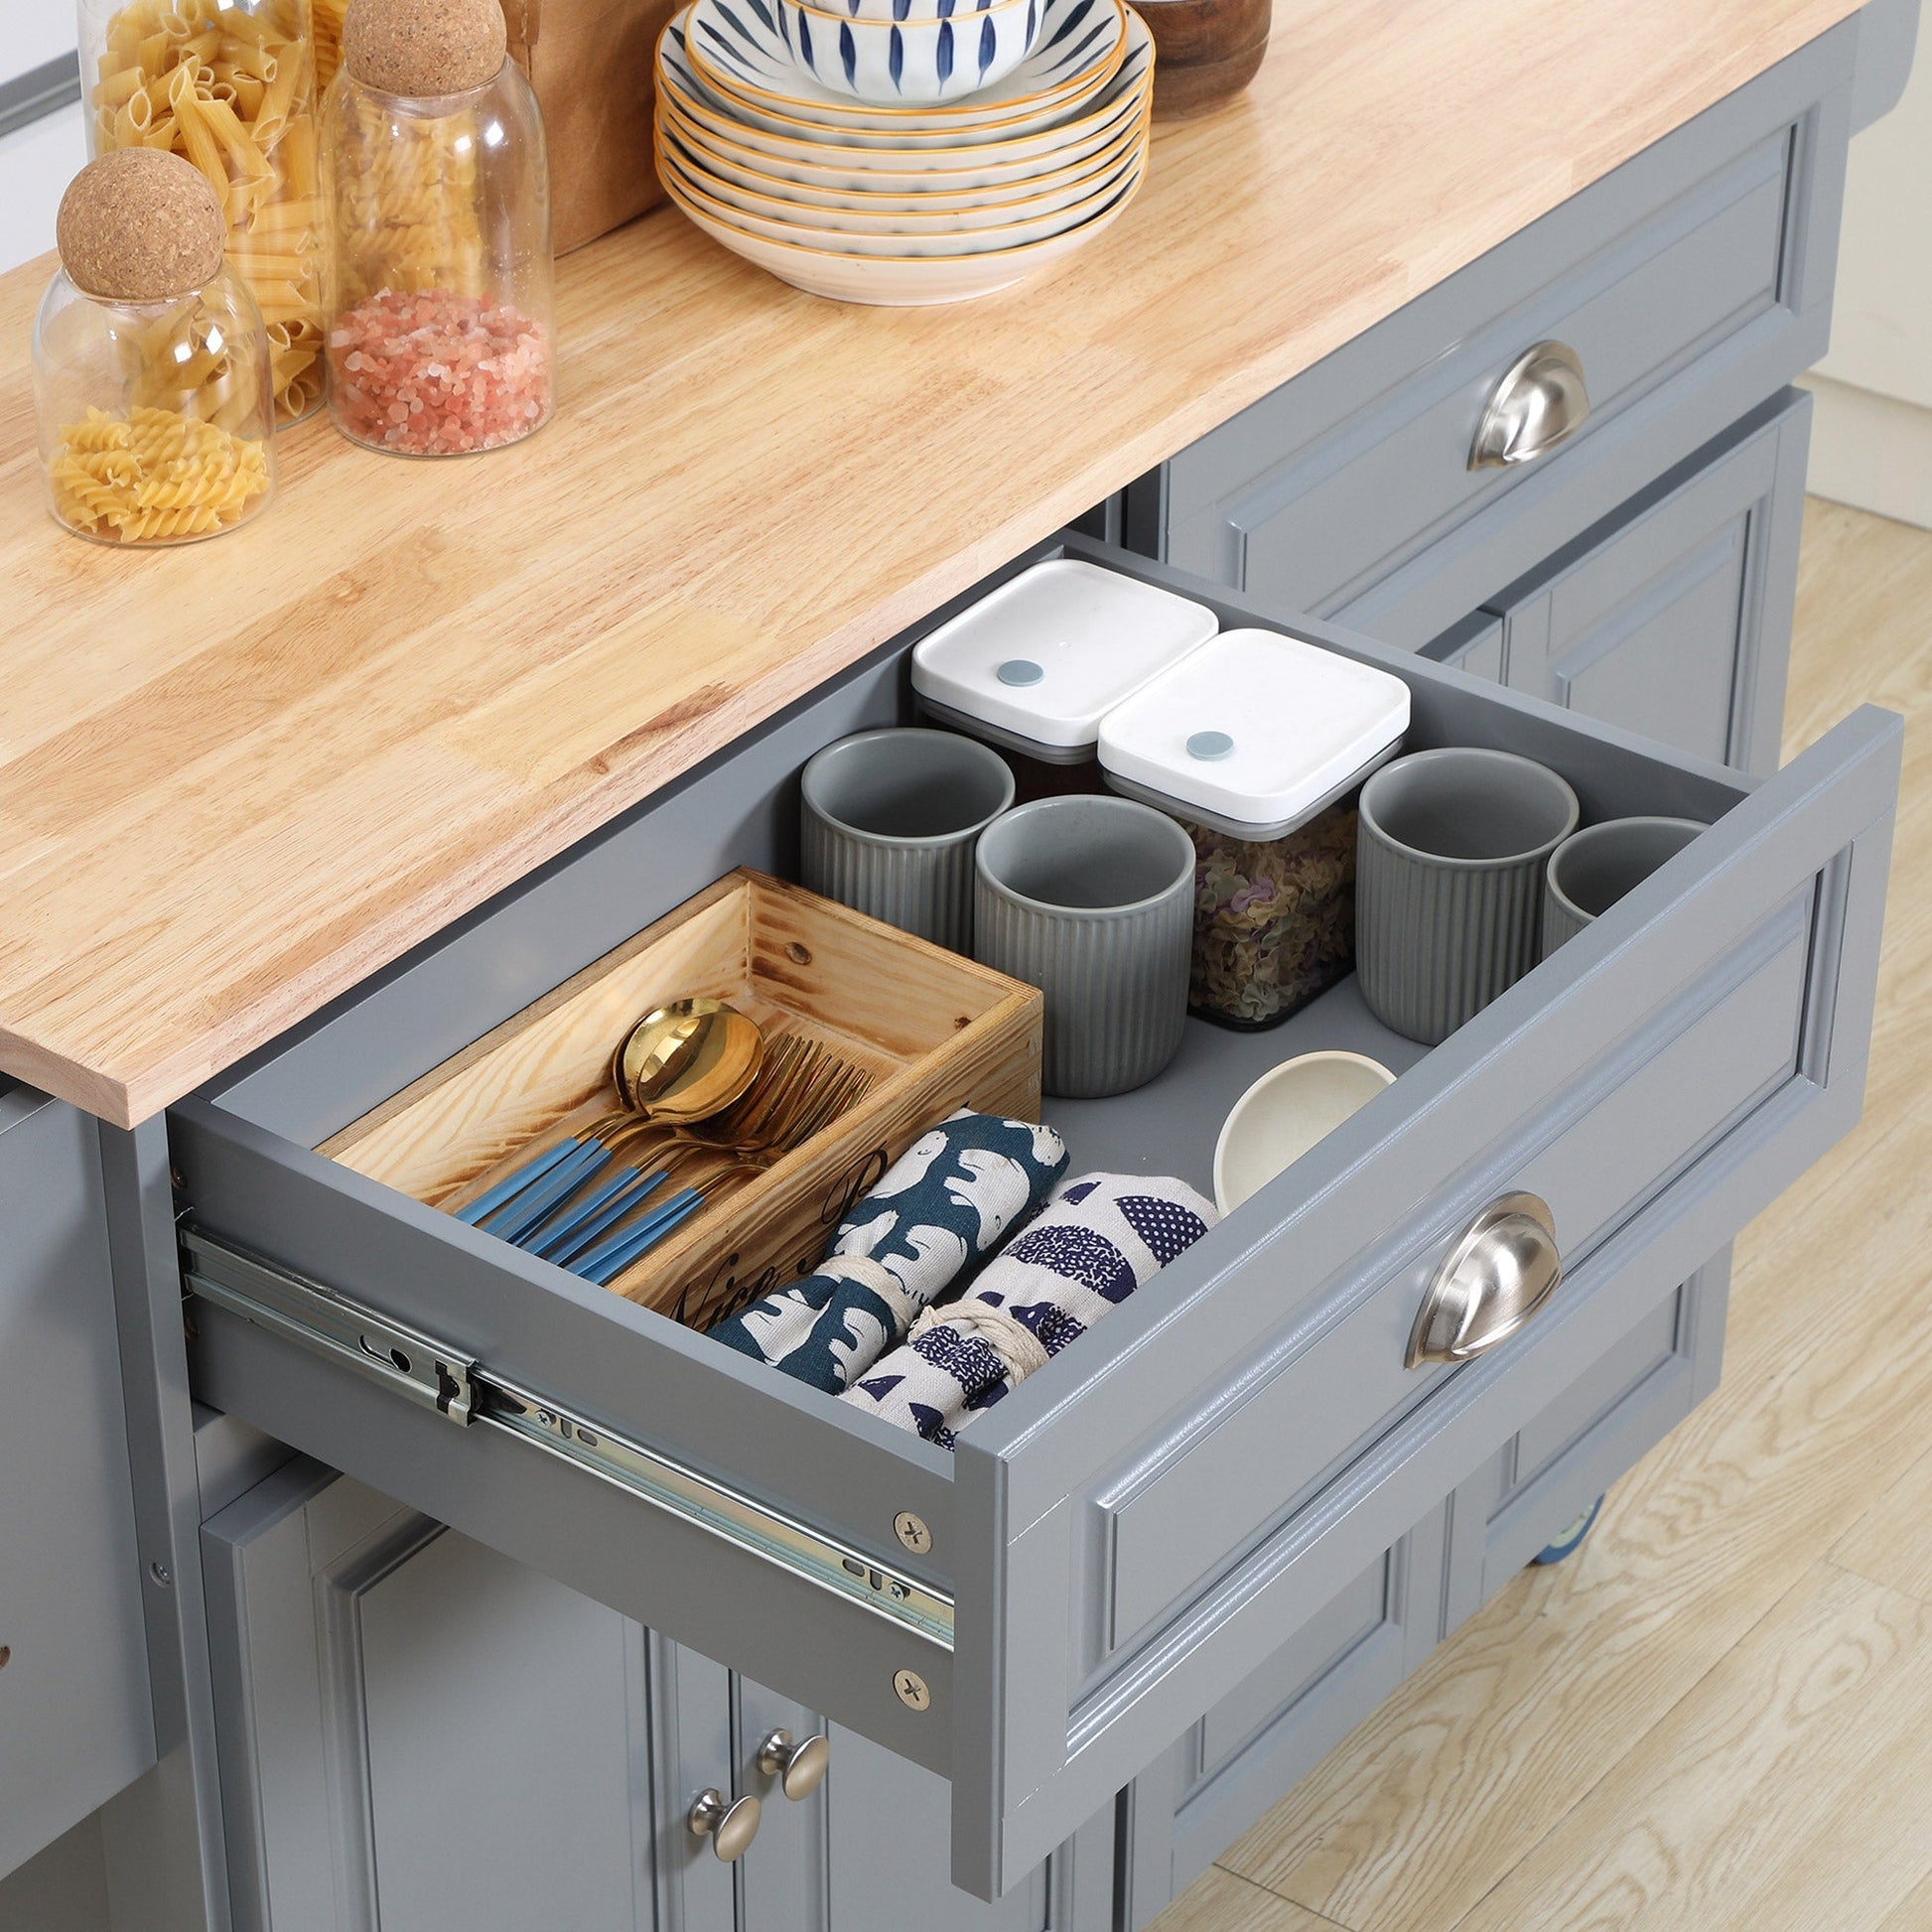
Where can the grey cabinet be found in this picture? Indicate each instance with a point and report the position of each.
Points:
(419, 1733)
(1142, 1524)
(1248, 1753)
(75, 1721)
(416, 1732)
(1673, 617)
(1226, 1770)
(1693, 282)
(1587, 1435)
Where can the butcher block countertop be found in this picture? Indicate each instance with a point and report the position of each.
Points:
(237, 778)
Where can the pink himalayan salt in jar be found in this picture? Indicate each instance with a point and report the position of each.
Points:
(438, 374)
(440, 336)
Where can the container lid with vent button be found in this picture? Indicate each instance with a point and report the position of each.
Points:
(1036, 663)
(1254, 733)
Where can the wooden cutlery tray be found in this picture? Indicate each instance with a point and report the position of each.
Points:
(935, 1031)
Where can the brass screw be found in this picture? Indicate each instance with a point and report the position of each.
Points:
(913, 1532)
(911, 1689)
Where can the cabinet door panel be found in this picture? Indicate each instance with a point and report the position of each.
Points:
(76, 1724)
(1673, 617)
(1249, 1750)
(1589, 1434)
(418, 1734)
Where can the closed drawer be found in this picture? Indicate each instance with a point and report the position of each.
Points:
(1673, 617)
(1146, 1521)
(1693, 282)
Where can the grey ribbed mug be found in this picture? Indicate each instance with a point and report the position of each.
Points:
(889, 824)
(1592, 868)
(1448, 883)
(1091, 899)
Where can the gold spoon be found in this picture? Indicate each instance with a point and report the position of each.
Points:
(680, 1063)
(686, 1061)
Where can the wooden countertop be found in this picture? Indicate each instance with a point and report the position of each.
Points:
(236, 778)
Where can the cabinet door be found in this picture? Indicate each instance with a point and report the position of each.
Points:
(418, 1734)
(1673, 617)
(1634, 1395)
(76, 1722)
(1250, 1749)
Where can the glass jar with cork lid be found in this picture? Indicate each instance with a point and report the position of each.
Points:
(153, 379)
(440, 332)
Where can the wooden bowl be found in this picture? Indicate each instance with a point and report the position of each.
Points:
(1206, 51)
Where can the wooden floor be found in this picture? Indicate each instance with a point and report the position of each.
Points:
(1718, 1713)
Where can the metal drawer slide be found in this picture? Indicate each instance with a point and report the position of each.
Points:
(430, 1372)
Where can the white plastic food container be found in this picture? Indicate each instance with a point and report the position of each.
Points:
(1035, 665)
(1259, 743)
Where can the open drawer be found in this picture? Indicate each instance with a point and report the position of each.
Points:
(1146, 1521)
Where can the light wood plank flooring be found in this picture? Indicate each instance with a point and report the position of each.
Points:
(1718, 1713)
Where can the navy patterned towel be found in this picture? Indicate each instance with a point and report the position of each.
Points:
(941, 1209)
(1096, 1241)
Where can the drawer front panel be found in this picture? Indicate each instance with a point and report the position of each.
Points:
(1712, 292)
(1044, 1703)
(1674, 617)
(1657, 1103)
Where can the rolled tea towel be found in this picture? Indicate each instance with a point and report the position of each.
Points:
(937, 1213)
(1097, 1240)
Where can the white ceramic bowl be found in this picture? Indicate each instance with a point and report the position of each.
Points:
(902, 243)
(754, 68)
(1284, 1113)
(807, 186)
(793, 220)
(910, 62)
(899, 284)
(1045, 138)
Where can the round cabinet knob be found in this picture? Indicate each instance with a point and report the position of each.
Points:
(1504, 1268)
(800, 1768)
(731, 1828)
(1540, 402)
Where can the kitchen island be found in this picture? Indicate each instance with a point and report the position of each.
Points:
(305, 764)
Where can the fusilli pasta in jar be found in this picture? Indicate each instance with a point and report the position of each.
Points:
(153, 370)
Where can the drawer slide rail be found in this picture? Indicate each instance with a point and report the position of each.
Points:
(435, 1376)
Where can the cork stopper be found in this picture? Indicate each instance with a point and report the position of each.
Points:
(140, 224)
(423, 48)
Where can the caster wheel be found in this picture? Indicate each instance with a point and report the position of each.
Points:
(1570, 1540)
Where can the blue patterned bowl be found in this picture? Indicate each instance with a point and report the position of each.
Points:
(809, 60)
(920, 61)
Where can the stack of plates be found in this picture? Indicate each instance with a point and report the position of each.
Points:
(902, 204)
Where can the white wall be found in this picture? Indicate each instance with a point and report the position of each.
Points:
(38, 31)
(1872, 433)
(36, 164)
(36, 161)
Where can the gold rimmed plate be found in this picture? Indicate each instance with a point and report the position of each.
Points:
(863, 191)
(1027, 218)
(904, 282)
(1035, 134)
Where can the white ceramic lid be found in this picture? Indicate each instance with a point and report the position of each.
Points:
(1047, 655)
(1256, 730)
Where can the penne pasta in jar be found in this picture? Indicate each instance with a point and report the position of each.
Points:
(229, 86)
